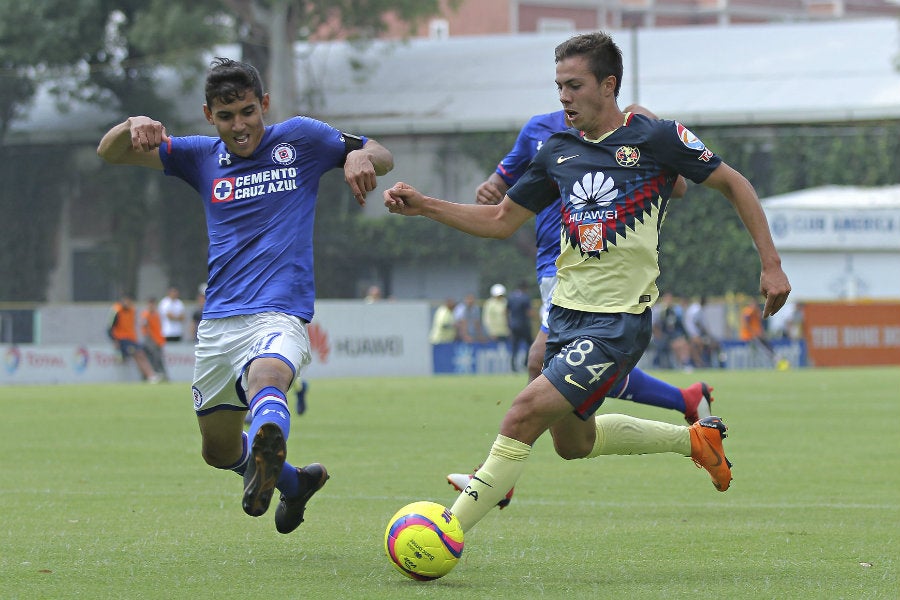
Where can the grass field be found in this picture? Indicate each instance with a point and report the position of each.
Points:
(104, 495)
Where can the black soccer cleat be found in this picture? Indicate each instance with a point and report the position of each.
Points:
(267, 455)
(289, 513)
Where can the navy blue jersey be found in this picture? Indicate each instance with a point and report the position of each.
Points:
(614, 193)
(259, 214)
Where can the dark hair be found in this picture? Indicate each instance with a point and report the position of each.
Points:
(228, 80)
(604, 56)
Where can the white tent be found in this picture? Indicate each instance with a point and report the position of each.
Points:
(839, 242)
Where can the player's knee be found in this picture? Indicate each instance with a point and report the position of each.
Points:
(570, 450)
(217, 458)
(570, 447)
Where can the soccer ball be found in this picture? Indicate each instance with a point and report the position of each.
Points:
(424, 540)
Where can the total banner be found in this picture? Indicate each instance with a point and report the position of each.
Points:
(347, 339)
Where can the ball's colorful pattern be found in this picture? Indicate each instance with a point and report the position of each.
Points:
(424, 540)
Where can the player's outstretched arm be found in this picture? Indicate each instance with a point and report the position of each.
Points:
(134, 141)
(489, 221)
(362, 167)
(773, 281)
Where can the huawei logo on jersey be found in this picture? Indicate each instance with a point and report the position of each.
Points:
(594, 188)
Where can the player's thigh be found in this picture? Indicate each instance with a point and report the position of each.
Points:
(533, 411)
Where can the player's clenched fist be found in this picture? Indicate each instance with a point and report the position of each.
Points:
(146, 133)
(404, 199)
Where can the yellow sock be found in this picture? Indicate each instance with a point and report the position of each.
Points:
(621, 434)
(492, 481)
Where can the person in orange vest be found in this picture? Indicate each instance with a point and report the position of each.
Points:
(122, 331)
(152, 337)
(753, 332)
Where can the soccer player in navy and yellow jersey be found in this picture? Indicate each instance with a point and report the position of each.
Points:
(692, 401)
(615, 174)
(638, 386)
(259, 186)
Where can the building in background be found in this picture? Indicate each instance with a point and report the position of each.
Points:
(707, 75)
(492, 17)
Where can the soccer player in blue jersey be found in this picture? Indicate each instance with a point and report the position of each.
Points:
(615, 173)
(259, 185)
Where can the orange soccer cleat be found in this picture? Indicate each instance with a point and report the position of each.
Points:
(707, 451)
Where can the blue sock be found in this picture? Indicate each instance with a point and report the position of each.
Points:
(269, 405)
(644, 389)
(241, 465)
(288, 482)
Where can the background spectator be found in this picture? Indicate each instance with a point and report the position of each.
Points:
(152, 338)
(122, 331)
(519, 315)
(171, 312)
(467, 315)
(197, 315)
(443, 324)
(496, 324)
(373, 294)
(703, 345)
(673, 349)
(753, 332)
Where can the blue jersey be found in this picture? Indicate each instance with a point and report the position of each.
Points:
(614, 192)
(536, 131)
(259, 214)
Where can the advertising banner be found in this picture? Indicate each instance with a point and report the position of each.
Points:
(347, 339)
(842, 334)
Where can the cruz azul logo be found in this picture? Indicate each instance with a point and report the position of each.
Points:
(284, 154)
(270, 181)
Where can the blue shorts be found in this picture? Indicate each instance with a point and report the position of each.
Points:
(589, 353)
(128, 348)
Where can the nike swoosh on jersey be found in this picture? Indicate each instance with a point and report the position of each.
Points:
(569, 379)
(563, 159)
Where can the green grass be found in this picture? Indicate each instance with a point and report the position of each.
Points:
(104, 495)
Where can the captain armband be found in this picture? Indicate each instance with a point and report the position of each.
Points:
(351, 142)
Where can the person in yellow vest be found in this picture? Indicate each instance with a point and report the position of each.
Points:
(443, 325)
(152, 337)
(493, 314)
(122, 331)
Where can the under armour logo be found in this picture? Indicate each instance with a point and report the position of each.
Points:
(224, 160)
